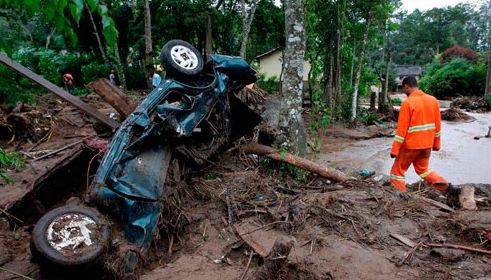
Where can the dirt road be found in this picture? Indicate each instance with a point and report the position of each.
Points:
(462, 159)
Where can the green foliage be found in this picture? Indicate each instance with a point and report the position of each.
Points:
(458, 77)
(423, 35)
(10, 160)
(396, 101)
(368, 118)
(94, 71)
(488, 98)
(210, 176)
(48, 63)
(56, 12)
(271, 84)
(285, 169)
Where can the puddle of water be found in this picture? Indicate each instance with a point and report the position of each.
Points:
(461, 159)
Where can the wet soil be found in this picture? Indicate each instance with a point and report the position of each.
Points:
(214, 219)
(464, 156)
(342, 234)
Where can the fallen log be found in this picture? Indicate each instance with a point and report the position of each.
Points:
(113, 96)
(324, 171)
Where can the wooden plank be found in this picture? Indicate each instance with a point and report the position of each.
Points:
(76, 102)
(404, 240)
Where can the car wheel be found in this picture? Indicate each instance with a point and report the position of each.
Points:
(70, 236)
(181, 58)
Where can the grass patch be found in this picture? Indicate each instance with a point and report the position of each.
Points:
(12, 161)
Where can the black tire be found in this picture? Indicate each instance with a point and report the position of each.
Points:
(171, 53)
(56, 220)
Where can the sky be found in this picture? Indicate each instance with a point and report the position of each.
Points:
(423, 5)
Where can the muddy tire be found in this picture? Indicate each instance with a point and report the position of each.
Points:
(70, 236)
(180, 58)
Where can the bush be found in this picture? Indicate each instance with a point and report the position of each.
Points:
(368, 118)
(94, 71)
(396, 101)
(458, 77)
(271, 84)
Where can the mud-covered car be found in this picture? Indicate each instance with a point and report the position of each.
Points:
(192, 114)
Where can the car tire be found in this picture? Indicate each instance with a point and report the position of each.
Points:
(70, 236)
(180, 58)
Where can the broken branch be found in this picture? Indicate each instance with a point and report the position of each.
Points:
(58, 150)
(455, 246)
(324, 171)
(251, 253)
(435, 203)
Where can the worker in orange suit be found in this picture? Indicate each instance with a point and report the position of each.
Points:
(418, 132)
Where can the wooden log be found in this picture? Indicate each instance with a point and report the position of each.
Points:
(324, 171)
(113, 96)
(76, 102)
(276, 260)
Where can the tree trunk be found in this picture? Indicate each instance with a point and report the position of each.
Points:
(373, 97)
(209, 38)
(354, 102)
(96, 33)
(246, 25)
(382, 98)
(148, 42)
(353, 55)
(119, 67)
(338, 69)
(290, 120)
(488, 75)
(48, 38)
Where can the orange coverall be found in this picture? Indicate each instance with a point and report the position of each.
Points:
(418, 131)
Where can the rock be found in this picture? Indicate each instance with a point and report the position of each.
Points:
(462, 196)
(447, 254)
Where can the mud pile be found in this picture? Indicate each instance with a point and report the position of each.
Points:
(456, 115)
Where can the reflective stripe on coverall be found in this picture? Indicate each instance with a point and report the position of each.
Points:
(418, 131)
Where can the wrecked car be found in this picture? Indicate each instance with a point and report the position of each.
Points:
(193, 113)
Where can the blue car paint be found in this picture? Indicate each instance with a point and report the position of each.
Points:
(130, 179)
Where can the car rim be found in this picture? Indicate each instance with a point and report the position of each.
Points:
(184, 57)
(72, 233)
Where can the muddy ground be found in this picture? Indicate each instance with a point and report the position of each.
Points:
(221, 222)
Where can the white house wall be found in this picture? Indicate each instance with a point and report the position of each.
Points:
(271, 65)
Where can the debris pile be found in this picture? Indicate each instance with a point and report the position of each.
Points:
(243, 207)
(476, 104)
(456, 115)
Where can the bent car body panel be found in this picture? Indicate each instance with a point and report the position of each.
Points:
(130, 180)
